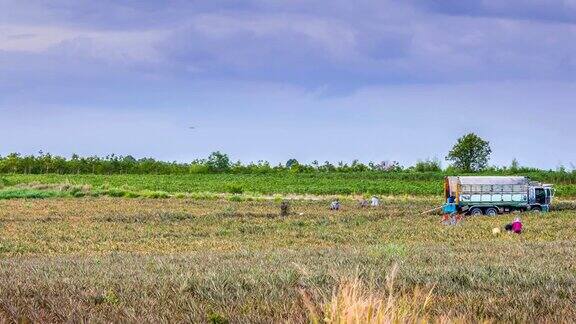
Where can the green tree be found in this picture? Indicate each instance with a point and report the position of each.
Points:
(428, 165)
(515, 165)
(470, 154)
(218, 162)
(291, 162)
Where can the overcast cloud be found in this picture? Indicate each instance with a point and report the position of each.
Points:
(325, 80)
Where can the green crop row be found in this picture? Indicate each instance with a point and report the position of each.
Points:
(284, 183)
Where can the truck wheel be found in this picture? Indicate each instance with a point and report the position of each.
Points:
(492, 212)
(476, 212)
(536, 209)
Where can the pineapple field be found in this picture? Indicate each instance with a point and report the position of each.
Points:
(220, 260)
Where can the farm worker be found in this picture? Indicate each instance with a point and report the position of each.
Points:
(451, 199)
(363, 203)
(375, 201)
(335, 205)
(449, 209)
(517, 226)
(284, 209)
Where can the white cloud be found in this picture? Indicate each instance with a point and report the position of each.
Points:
(111, 46)
(334, 36)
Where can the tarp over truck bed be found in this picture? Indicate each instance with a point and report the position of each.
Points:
(488, 190)
(493, 180)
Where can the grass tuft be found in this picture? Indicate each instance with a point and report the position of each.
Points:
(13, 193)
(355, 302)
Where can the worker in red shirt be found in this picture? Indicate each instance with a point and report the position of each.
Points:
(517, 225)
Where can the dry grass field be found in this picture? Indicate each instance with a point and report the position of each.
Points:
(117, 259)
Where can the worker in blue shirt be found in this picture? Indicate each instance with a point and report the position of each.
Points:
(450, 206)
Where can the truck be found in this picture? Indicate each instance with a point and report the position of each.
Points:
(487, 195)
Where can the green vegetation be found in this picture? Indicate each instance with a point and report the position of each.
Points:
(12, 193)
(152, 260)
(470, 154)
(319, 183)
(217, 162)
(125, 176)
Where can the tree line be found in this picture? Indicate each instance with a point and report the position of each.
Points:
(217, 162)
(470, 154)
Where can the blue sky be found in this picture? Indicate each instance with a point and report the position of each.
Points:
(271, 80)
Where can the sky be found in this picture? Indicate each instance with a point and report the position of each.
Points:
(374, 80)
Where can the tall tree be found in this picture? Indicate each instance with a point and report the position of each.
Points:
(470, 154)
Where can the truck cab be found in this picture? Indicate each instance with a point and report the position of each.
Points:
(540, 197)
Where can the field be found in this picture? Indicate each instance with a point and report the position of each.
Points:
(331, 183)
(108, 259)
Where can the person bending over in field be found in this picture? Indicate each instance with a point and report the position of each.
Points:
(515, 226)
(335, 205)
(363, 203)
(375, 201)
